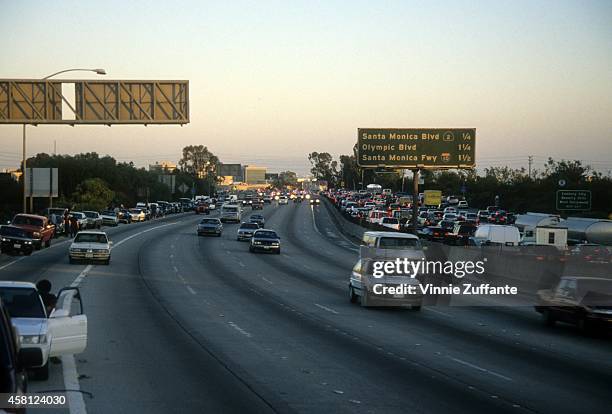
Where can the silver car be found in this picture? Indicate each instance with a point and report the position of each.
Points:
(246, 230)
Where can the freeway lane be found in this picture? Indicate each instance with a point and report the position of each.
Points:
(195, 324)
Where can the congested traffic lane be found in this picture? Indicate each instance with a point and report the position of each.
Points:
(480, 354)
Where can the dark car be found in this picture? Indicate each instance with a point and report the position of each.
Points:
(460, 235)
(265, 240)
(582, 301)
(432, 233)
(483, 216)
(258, 219)
(16, 240)
(14, 361)
(257, 204)
(210, 226)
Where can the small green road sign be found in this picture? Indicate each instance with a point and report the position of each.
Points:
(416, 148)
(574, 200)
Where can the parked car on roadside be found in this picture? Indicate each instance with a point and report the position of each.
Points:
(93, 219)
(15, 240)
(38, 228)
(109, 218)
(42, 334)
(14, 359)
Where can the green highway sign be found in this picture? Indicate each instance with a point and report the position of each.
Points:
(574, 200)
(413, 148)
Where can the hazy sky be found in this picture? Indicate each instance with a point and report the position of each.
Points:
(271, 81)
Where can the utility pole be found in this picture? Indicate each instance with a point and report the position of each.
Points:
(530, 161)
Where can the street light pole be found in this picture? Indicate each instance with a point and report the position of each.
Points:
(23, 158)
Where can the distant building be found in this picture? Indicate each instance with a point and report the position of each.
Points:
(231, 170)
(254, 175)
(14, 173)
(271, 177)
(163, 167)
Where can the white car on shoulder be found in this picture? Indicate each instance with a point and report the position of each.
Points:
(90, 246)
(45, 335)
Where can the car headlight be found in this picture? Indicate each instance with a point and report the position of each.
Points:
(33, 339)
(74, 250)
(36, 234)
(3, 239)
(256, 242)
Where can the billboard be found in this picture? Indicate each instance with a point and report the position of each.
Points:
(41, 182)
(416, 148)
(573, 200)
(107, 102)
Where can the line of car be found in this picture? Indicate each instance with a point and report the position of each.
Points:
(260, 239)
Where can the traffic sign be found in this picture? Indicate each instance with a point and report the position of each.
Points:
(183, 188)
(432, 197)
(420, 148)
(574, 200)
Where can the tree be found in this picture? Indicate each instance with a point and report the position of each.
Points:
(198, 161)
(286, 179)
(350, 173)
(324, 167)
(93, 194)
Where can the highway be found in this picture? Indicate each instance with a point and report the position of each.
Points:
(181, 323)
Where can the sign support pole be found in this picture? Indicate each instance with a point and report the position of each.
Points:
(23, 171)
(415, 199)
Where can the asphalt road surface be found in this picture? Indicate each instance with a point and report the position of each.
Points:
(181, 323)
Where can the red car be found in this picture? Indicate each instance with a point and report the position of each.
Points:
(37, 227)
(202, 208)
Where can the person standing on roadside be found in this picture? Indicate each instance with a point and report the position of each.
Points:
(66, 222)
(74, 226)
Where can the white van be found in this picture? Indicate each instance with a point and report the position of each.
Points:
(496, 234)
(231, 212)
(390, 240)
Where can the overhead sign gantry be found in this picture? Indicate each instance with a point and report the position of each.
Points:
(105, 102)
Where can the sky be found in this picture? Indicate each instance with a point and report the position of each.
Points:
(271, 81)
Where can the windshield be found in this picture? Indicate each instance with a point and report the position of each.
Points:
(22, 302)
(108, 213)
(249, 226)
(28, 221)
(91, 238)
(398, 243)
(266, 234)
(91, 214)
(210, 221)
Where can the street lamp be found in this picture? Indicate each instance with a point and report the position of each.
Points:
(23, 161)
